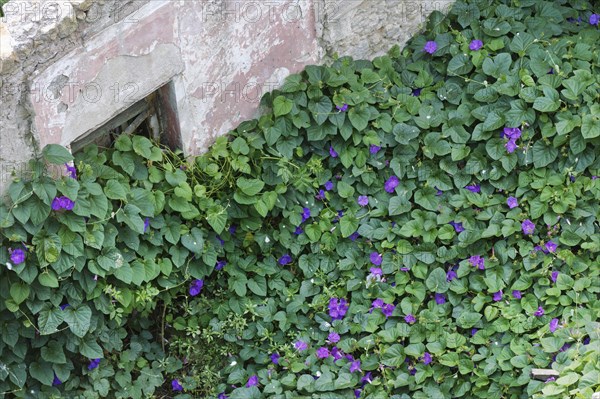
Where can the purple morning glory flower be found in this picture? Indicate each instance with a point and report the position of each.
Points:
(355, 366)
(376, 258)
(337, 308)
(391, 184)
(427, 358)
(473, 331)
(430, 47)
(528, 227)
(252, 381)
(17, 256)
(66, 203)
(63, 307)
(301, 346)
(550, 246)
(451, 274)
(328, 185)
(586, 341)
(285, 259)
(474, 188)
(497, 296)
(416, 92)
(322, 352)
(440, 299)
(342, 108)
(517, 294)
(357, 393)
(439, 192)
(363, 200)
(594, 19)
(354, 236)
(321, 195)
(220, 265)
(222, 396)
(550, 379)
(176, 385)
(477, 261)
(554, 276)
(275, 358)
(458, 227)
(93, 364)
(232, 229)
(305, 214)
(147, 224)
(332, 152)
(475, 45)
(336, 353)
(71, 171)
(377, 303)
(333, 337)
(298, 231)
(539, 312)
(366, 379)
(59, 203)
(539, 248)
(376, 271)
(511, 146)
(373, 149)
(56, 380)
(55, 204)
(196, 287)
(388, 309)
(564, 347)
(553, 325)
(512, 202)
(409, 318)
(511, 133)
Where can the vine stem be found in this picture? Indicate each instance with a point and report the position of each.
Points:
(29, 320)
(162, 327)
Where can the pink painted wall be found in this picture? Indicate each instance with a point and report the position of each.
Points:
(220, 56)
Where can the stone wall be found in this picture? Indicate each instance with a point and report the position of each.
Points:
(69, 66)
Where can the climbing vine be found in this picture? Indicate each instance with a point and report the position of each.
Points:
(421, 225)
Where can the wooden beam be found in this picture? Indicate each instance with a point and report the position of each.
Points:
(130, 113)
(544, 374)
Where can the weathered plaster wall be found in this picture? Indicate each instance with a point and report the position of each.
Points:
(33, 35)
(69, 66)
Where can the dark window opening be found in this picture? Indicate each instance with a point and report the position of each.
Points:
(154, 117)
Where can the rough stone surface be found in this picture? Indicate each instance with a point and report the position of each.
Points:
(68, 67)
(367, 29)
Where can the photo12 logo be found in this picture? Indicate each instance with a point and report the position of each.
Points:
(235, 92)
(26, 11)
(254, 11)
(67, 92)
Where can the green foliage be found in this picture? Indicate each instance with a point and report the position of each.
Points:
(147, 223)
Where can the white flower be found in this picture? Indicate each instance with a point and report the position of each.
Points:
(8, 266)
